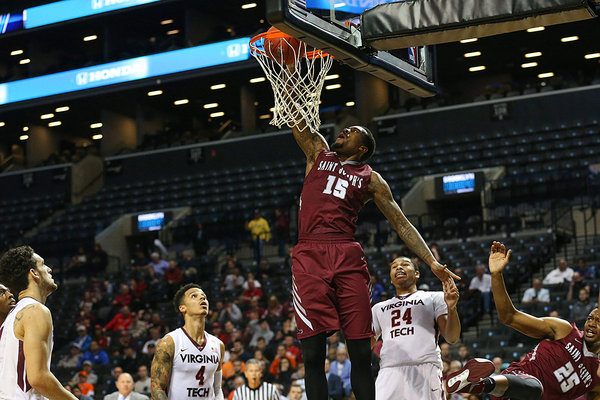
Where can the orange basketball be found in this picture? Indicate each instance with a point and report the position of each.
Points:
(281, 48)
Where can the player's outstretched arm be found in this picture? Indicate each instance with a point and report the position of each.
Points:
(219, 375)
(450, 323)
(311, 143)
(160, 372)
(539, 328)
(35, 323)
(383, 198)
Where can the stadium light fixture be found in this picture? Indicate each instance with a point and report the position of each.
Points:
(350, 104)
(16, 52)
(23, 137)
(217, 114)
(477, 68)
(54, 123)
(96, 125)
(25, 128)
(47, 116)
(90, 38)
(529, 65)
(25, 61)
(248, 6)
(166, 21)
(546, 75)
(592, 55)
(257, 80)
(569, 39)
(181, 102)
(62, 109)
(218, 86)
(536, 29)
(471, 40)
(331, 87)
(332, 76)
(533, 54)
(211, 105)
(173, 32)
(97, 137)
(264, 116)
(2, 123)
(155, 93)
(473, 54)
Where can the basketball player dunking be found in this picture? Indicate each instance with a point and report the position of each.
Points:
(187, 363)
(563, 366)
(330, 276)
(409, 325)
(26, 335)
(7, 302)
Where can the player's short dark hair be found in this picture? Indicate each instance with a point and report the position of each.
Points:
(369, 141)
(177, 299)
(415, 266)
(14, 268)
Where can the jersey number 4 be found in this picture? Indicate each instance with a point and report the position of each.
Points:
(567, 377)
(397, 317)
(340, 186)
(200, 375)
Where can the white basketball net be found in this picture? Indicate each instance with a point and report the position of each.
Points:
(296, 87)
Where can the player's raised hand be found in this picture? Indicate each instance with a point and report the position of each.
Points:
(498, 257)
(442, 271)
(451, 294)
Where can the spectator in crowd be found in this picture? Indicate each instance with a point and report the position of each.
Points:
(480, 287)
(138, 327)
(577, 283)
(252, 293)
(98, 259)
(231, 312)
(157, 265)
(130, 360)
(274, 309)
(581, 308)
(342, 367)
(463, 355)
(124, 298)
(71, 359)
(142, 385)
(83, 339)
(200, 240)
(278, 356)
(236, 382)
(87, 389)
(260, 233)
(535, 298)
(121, 321)
(284, 373)
(91, 375)
(296, 392)
(233, 280)
(77, 263)
(125, 387)
(586, 272)
(263, 331)
(94, 355)
(111, 383)
(445, 352)
(77, 393)
(498, 362)
(100, 337)
(228, 368)
(561, 274)
(291, 349)
(238, 346)
(376, 289)
(282, 231)
(255, 388)
(335, 386)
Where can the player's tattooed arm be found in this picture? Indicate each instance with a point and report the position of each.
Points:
(311, 143)
(383, 198)
(160, 372)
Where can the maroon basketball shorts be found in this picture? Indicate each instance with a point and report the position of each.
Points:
(331, 289)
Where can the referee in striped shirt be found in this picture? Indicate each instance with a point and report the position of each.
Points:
(255, 389)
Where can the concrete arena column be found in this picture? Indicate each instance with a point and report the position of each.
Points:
(248, 110)
(118, 132)
(41, 143)
(372, 96)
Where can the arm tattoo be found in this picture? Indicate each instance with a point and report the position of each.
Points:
(21, 313)
(384, 200)
(162, 364)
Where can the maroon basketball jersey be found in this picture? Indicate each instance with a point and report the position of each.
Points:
(333, 194)
(566, 368)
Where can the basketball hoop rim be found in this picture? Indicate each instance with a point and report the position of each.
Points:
(277, 34)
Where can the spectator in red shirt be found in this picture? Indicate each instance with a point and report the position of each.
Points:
(100, 337)
(123, 298)
(173, 276)
(280, 354)
(291, 349)
(121, 321)
(252, 293)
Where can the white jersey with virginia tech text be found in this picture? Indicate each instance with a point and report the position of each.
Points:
(13, 375)
(194, 366)
(408, 326)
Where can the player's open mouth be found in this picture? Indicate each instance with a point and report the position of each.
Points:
(590, 332)
(400, 274)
